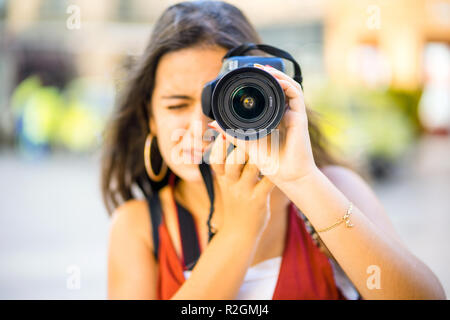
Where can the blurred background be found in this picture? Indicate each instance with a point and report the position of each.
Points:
(377, 70)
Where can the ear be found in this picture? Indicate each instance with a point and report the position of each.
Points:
(152, 125)
(152, 122)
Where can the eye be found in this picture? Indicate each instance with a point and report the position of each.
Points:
(179, 106)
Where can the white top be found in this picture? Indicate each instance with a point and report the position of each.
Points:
(261, 279)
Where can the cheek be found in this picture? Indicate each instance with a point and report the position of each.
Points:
(170, 131)
(169, 135)
(172, 123)
(169, 119)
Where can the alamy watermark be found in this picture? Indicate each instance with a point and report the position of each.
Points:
(374, 279)
(73, 22)
(373, 21)
(73, 281)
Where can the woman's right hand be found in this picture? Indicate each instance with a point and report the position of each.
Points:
(245, 197)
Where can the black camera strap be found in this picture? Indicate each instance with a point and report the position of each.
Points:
(242, 49)
(205, 170)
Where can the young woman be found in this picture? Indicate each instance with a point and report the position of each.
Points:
(264, 246)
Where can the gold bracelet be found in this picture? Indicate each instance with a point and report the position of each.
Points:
(345, 218)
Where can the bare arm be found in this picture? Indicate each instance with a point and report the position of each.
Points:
(371, 242)
(221, 268)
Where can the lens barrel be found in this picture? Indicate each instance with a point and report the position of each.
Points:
(248, 100)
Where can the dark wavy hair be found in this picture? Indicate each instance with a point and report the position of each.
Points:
(180, 26)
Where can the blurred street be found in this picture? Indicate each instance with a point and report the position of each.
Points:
(52, 218)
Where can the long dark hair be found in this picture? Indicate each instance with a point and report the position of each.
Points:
(182, 25)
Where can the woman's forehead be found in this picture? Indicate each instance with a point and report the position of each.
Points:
(187, 69)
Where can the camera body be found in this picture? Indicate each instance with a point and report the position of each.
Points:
(244, 98)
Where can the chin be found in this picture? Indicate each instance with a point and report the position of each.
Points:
(188, 172)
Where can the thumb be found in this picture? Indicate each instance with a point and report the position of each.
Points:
(239, 143)
(248, 146)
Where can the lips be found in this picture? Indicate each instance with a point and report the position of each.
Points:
(194, 155)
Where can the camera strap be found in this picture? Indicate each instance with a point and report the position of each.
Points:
(205, 170)
(242, 49)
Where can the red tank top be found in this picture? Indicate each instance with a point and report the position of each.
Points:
(305, 271)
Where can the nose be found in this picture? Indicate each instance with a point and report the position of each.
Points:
(198, 126)
(199, 116)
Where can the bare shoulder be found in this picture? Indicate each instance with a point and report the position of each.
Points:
(132, 269)
(132, 218)
(358, 190)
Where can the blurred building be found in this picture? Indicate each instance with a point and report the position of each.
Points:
(404, 44)
(59, 39)
(110, 28)
(392, 35)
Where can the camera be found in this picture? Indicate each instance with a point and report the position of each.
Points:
(246, 99)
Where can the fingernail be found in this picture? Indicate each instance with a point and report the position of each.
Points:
(223, 137)
(211, 126)
(258, 65)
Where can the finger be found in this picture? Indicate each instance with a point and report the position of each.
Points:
(295, 96)
(228, 137)
(250, 174)
(218, 155)
(242, 144)
(234, 164)
(264, 186)
(279, 74)
(282, 78)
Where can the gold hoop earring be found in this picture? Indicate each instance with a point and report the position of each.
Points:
(148, 163)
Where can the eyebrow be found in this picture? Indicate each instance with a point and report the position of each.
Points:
(177, 97)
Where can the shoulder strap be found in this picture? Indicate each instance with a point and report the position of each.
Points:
(155, 217)
(188, 232)
(205, 171)
(189, 237)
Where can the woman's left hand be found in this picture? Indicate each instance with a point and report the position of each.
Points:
(294, 158)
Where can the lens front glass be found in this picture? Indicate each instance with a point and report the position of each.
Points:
(247, 102)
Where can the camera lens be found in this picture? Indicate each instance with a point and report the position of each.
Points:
(247, 103)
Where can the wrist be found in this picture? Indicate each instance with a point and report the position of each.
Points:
(300, 182)
(243, 232)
